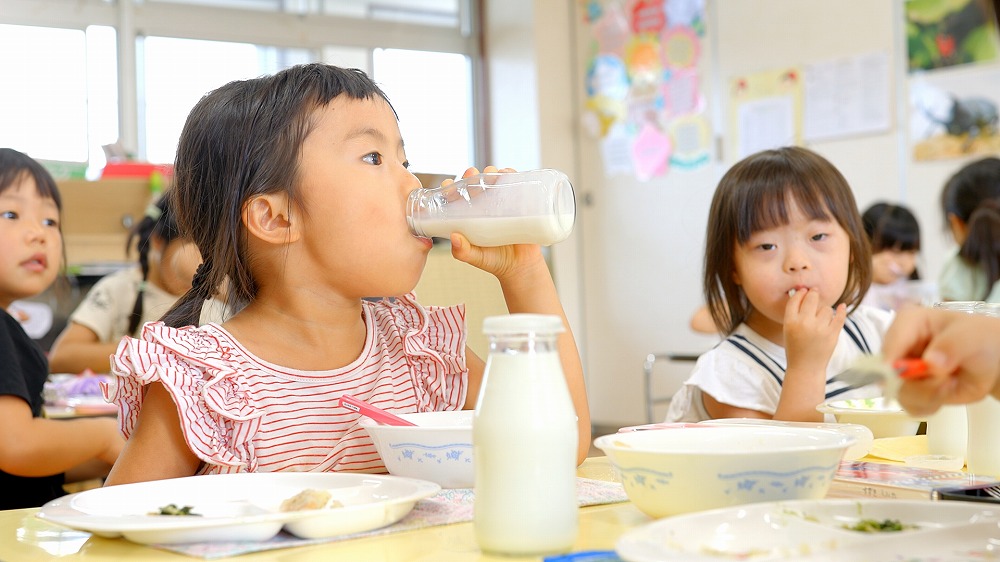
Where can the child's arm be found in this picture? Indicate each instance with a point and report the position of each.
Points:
(719, 410)
(31, 446)
(528, 287)
(156, 449)
(78, 348)
(811, 331)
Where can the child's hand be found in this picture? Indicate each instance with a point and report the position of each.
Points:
(811, 330)
(501, 261)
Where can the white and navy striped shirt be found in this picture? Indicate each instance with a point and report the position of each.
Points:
(747, 371)
(242, 414)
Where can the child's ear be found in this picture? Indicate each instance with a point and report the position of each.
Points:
(269, 218)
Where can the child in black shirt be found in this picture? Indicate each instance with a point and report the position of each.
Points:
(35, 453)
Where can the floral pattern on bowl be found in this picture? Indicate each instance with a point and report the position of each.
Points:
(450, 453)
(756, 484)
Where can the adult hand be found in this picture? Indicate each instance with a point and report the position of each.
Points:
(962, 352)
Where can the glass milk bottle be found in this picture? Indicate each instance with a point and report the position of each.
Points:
(496, 209)
(947, 429)
(524, 440)
(983, 449)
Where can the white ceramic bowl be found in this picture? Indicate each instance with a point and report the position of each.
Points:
(885, 420)
(438, 449)
(673, 471)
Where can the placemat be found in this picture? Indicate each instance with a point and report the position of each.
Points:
(898, 448)
(444, 508)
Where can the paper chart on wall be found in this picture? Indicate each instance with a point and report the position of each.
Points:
(765, 110)
(845, 97)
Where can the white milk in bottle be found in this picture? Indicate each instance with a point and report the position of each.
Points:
(496, 209)
(524, 441)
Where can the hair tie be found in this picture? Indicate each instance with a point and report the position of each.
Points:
(154, 212)
(200, 280)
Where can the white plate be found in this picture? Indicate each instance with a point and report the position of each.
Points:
(238, 507)
(815, 530)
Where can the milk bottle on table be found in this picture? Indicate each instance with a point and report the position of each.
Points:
(524, 438)
(496, 209)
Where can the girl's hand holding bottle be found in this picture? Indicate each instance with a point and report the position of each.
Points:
(500, 261)
(528, 288)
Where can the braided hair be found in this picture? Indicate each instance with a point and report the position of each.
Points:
(158, 222)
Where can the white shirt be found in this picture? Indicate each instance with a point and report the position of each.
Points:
(746, 370)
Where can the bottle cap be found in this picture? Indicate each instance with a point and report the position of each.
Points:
(523, 323)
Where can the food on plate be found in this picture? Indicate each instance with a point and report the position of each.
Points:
(309, 499)
(174, 509)
(876, 526)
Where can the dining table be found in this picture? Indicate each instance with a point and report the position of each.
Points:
(25, 537)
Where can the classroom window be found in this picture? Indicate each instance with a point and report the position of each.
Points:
(432, 94)
(176, 73)
(444, 13)
(60, 98)
(71, 94)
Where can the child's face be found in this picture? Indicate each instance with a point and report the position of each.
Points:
(32, 243)
(805, 253)
(354, 185)
(889, 266)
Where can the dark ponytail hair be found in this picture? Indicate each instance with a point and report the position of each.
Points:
(973, 196)
(982, 246)
(892, 227)
(240, 141)
(158, 223)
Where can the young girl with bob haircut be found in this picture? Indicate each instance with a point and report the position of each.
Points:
(293, 186)
(787, 263)
(37, 455)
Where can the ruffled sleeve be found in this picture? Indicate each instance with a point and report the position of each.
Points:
(433, 340)
(217, 413)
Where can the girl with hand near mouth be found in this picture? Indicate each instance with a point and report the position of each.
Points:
(787, 263)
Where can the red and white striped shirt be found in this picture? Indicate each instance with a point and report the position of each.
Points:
(242, 414)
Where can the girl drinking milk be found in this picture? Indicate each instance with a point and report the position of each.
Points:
(786, 263)
(293, 188)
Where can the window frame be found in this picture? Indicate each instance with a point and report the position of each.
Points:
(133, 19)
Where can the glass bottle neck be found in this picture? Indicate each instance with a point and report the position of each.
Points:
(516, 344)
